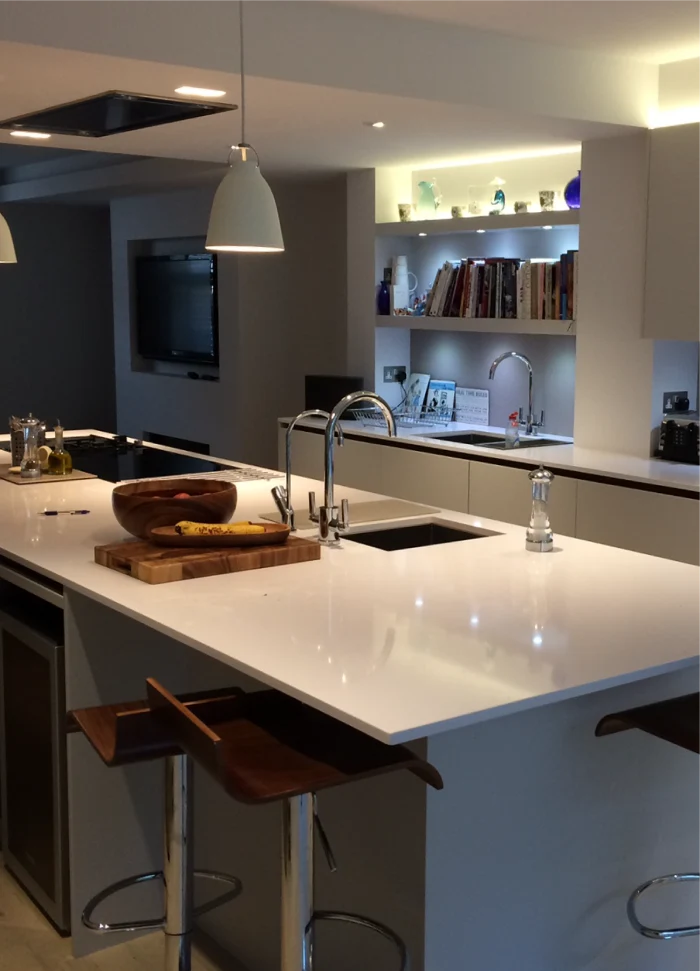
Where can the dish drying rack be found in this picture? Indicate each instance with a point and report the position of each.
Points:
(403, 417)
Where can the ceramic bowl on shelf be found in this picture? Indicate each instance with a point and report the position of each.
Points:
(140, 507)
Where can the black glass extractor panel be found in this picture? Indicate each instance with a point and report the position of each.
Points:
(113, 112)
(147, 463)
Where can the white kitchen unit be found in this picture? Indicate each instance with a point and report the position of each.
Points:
(503, 493)
(648, 522)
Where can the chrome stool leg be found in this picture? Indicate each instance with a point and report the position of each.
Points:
(652, 932)
(177, 875)
(177, 866)
(297, 883)
(299, 822)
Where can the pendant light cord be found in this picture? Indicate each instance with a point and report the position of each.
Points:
(240, 26)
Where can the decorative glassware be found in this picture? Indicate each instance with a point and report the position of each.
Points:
(572, 192)
(546, 200)
(383, 300)
(428, 199)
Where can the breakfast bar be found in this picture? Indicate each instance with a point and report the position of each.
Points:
(494, 664)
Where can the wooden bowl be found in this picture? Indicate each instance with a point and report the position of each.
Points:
(141, 506)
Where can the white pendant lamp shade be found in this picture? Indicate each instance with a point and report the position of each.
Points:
(244, 215)
(7, 247)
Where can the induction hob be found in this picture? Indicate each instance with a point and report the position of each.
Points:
(116, 459)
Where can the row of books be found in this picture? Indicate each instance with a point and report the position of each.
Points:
(506, 288)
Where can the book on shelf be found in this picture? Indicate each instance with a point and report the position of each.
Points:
(506, 288)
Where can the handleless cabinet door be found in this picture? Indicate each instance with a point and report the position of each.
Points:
(646, 522)
(503, 493)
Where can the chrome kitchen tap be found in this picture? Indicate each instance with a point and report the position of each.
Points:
(530, 423)
(330, 522)
(283, 494)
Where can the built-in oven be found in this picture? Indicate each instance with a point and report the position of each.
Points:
(33, 744)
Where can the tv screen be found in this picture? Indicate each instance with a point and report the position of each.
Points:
(176, 308)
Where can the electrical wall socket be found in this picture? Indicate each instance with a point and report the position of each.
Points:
(670, 399)
(391, 373)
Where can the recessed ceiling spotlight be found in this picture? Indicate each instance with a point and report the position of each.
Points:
(374, 124)
(481, 230)
(546, 227)
(200, 92)
(39, 135)
(422, 234)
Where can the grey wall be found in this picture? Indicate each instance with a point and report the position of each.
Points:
(466, 358)
(280, 316)
(56, 337)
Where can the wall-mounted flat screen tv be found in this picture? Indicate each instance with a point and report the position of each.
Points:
(176, 308)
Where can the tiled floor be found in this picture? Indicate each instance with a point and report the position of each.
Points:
(29, 943)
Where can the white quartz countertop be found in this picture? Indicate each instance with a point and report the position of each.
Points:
(400, 645)
(566, 457)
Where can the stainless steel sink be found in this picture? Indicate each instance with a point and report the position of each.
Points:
(487, 440)
(415, 535)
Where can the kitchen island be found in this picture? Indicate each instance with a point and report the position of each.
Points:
(495, 662)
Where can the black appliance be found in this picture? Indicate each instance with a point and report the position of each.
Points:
(33, 749)
(113, 112)
(324, 391)
(679, 437)
(116, 459)
(176, 308)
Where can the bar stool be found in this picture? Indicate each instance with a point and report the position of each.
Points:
(274, 748)
(675, 721)
(126, 733)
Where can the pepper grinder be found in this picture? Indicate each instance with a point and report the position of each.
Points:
(539, 537)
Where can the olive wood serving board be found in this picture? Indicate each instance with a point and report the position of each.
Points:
(160, 564)
(17, 479)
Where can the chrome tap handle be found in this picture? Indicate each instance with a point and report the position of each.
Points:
(521, 420)
(279, 494)
(313, 508)
(344, 520)
(541, 422)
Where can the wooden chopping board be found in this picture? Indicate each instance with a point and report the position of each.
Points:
(161, 564)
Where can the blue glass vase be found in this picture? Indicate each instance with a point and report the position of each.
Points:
(383, 300)
(572, 192)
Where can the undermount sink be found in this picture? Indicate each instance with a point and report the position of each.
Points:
(486, 440)
(415, 535)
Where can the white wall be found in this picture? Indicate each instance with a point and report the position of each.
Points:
(56, 343)
(280, 317)
(466, 358)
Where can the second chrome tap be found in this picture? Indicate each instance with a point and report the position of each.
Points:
(330, 521)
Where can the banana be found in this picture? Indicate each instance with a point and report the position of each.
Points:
(186, 528)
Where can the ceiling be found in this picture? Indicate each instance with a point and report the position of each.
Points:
(295, 127)
(654, 31)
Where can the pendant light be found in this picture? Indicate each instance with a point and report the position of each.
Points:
(243, 216)
(7, 247)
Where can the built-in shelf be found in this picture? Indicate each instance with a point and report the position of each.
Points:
(472, 224)
(481, 325)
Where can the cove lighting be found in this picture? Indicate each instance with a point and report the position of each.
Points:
(503, 157)
(200, 92)
(673, 116)
(39, 135)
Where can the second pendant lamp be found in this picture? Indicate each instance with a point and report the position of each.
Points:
(244, 216)
(7, 247)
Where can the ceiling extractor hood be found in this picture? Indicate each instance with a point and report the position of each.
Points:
(111, 113)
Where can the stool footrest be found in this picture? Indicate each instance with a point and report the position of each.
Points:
(659, 934)
(158, 922)
(371, 925)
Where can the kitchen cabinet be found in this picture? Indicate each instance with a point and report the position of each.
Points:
(646, 522)
(412, 474)
(503, 493)
(671, 281)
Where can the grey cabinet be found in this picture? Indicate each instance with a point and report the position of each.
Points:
(503, 493)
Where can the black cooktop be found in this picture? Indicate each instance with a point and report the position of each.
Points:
(116, 459)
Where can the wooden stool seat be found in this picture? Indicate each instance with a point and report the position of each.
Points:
(676, 720)
(266, 746)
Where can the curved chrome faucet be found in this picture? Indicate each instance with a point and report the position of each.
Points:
(531, 425)
(283, 496)
(330, 523)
